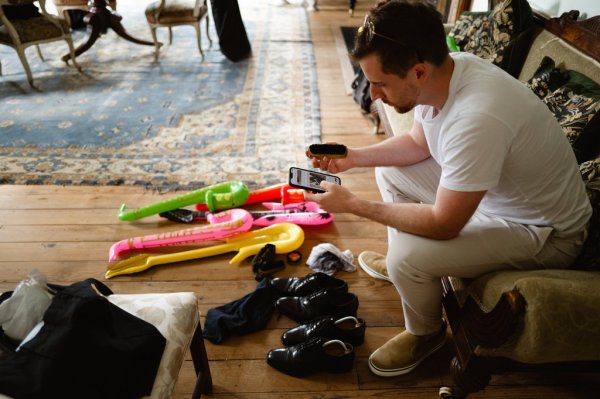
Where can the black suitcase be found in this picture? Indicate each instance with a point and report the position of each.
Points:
(233, 39)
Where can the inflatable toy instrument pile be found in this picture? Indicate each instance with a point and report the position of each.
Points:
(286, 237)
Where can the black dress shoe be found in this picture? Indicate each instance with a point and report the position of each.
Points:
(301, 286)
(316, 355)
(348, 329)
(328, 302)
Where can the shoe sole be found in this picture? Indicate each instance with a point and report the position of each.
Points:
(372, 272)
(404, 370)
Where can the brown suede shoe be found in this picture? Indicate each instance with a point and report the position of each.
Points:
(404, 352)
(374, 265)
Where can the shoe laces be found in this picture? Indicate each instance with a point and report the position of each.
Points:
(316, 341)
(315, 294)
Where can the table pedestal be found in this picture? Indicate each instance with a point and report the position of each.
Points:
(99, 19)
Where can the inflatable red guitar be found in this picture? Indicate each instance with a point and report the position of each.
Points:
(283, 191)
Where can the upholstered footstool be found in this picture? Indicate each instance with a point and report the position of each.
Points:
(177, 317)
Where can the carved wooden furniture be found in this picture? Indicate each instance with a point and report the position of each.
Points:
(42, 28)
(480, 335)
(62, 6)
(99, 20)
(169, 13)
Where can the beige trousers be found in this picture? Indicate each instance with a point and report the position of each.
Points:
(416, 264)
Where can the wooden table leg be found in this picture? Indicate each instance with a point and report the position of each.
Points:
(99, 20)
(115, 24)
(94, 30)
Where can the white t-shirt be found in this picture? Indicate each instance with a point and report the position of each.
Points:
(494, 134)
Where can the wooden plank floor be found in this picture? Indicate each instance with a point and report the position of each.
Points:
(66, 232)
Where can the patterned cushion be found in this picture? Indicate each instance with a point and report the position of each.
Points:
(176, 316)
(589, 259)
(574, 99)
(547, 78)
(33, 29)
(502, 36)
(174, 11)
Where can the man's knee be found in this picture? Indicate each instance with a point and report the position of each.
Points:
(411, 261)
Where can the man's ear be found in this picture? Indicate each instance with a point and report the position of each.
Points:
(421, 71)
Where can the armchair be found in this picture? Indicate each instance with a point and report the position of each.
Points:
(20, 33)
(169, 13)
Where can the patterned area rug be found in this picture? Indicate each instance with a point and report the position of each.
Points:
(175, 123)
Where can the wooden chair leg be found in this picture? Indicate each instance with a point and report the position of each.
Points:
(39, 52)
(21, 54)
(207, 30)
(201, 366)
(155, 39)
(198, 38)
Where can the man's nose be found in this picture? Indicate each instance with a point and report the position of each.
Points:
(375, 93)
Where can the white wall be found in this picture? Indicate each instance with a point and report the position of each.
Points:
(479, 5)
(554, 8)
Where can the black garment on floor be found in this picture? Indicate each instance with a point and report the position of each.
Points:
(21, 11)
(242, 316)
(233, 39)
(87, 348)
(76, 18)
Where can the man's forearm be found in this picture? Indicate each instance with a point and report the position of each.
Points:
(414, 218)
(395, 151)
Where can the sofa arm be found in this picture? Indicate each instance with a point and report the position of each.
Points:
(561, 321)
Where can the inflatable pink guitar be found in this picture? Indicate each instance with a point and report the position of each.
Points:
(221, 225)
(301, 213)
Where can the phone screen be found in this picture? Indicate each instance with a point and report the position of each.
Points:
(310, 179)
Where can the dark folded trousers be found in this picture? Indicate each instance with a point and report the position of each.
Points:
(242, 316)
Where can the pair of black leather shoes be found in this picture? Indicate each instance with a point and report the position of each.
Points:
(313, 296)
(326, 341)
(324, 344)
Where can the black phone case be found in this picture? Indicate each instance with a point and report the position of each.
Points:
(328, 150)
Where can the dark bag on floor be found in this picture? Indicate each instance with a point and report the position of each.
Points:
(233, 39)
(87, 348)
(360, 91)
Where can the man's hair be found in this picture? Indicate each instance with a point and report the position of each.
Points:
(417, 31)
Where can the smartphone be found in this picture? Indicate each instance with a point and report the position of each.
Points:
(310, 179)
(328, 150)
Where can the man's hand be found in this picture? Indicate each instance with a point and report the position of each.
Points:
(331, 165)
(335, 198)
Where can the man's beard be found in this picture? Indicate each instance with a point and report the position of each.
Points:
(406, 108)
